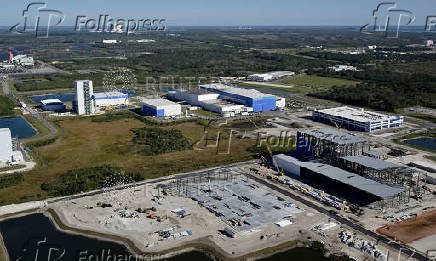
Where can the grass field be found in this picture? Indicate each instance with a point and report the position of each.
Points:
(6, 106)
(83, 143)
(313, 83)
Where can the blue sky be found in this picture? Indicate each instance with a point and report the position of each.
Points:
(224, 12)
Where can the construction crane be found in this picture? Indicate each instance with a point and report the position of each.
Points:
(279, 171)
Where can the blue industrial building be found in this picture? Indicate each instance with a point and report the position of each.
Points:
(160, 107)
(248, 97)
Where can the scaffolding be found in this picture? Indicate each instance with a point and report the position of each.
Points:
(331, 145)
(349, 152)
(203, 182)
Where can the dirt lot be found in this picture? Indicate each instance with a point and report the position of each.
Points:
(411, 229)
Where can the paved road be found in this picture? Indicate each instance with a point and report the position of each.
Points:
(332, 214)
(32, 112)
(39, 117)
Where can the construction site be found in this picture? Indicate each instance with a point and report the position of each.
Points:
(337, 158)
(233, 211)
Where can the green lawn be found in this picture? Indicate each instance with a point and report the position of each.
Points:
(6, 106)
(82, 143)
(316, 82)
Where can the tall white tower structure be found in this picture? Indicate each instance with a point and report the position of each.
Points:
(5, 145)
(84, 97)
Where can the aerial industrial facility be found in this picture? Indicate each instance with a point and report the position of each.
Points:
(160, 107)
(227, 100)
(208, 101)
(105, 99)
(338, 159)
(264, 77)
(248, 97)
(357, 119)
(17, 60)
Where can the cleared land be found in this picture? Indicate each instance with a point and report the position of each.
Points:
(84, 144)
(411, 229)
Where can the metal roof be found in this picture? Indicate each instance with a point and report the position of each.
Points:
(373, 153)
(158, 102)
(371, 162)
(335, 136)
(5, 130)
(49, 101)
(250, 93)
(110, 94)
(376, 188)
(359, 115)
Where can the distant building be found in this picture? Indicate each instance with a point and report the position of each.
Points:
(105, 99)
(84, 102)
(264, 77)
(145, 41)
(160, 107)
(339, 68)
(22, 59)
(428, 43)
(208, 101)
(372, 47)
(53, 105)
(109, 41)
(357, 119)
(5, 145)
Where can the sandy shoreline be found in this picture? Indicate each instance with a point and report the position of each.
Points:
(204, 245)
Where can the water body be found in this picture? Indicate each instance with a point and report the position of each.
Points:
(20, 128)
(35, 233)
(25, 236)
(424, 142)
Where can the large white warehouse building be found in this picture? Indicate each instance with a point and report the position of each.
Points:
(160, 107)
(263, 77)
(105, 99)
(357, 119)
(208, 101)
(5, 145)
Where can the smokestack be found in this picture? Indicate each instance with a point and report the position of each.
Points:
(11, 57)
